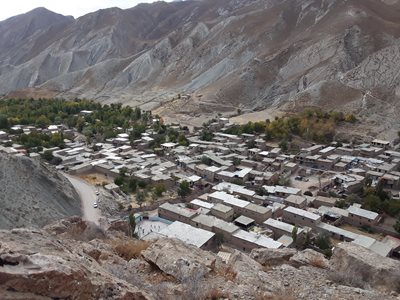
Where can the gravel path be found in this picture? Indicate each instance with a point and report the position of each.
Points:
(87, 193)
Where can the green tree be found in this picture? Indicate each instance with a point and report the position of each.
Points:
(159, 189)
(283, 145)
(132, 224)
(4, 122)
(119, 180)
(42, 122)
(323, 242)
(373, 202)
(48, 155)
(182, 140)
(206, 160)
(397, 226)
(184, 189)
(294, 233)
(140, 198)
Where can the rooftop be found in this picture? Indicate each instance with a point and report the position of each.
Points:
(281, 225)
(244, 220)
(188, 234)
(358, 211)
(303, 213)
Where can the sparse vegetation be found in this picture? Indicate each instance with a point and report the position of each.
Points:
(313, 125)
(130, 249)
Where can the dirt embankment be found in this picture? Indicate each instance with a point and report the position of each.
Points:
(32, 194)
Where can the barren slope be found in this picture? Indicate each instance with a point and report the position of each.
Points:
(249, 54)
(32, 195)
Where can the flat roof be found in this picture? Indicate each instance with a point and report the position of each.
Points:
(222, 208)
(296, 199)
(212, 221)
(202, 203)
(326, 199)
(281, 225)
(302, 212)
(257, 208)
(187, 233)
(257, 239)
(244, 220)
(229, 199)
(281, 189)
(233, 188)
(178, 210)
(358, 211)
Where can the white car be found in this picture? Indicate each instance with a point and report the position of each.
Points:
(95, 205)
(97, 193)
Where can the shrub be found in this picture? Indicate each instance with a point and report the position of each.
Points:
(130, 249)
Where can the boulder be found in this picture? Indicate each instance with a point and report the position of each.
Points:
(272, 257)
(380, 272)
(34, 264)
(180, 260)
(309, 257)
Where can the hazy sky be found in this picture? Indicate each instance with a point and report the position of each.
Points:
(75, 8)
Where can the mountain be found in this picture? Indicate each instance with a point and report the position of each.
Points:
(227, 54)
(32, 195)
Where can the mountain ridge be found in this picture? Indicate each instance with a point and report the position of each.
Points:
(226, 55)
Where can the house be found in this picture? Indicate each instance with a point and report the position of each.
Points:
(244, 222)
(300, 217)
(235, 190)
(281, 191)
(215, 225)
(175, 213)
(168, 146)
(198, 237)
(237, 204)
(296, 201)
(257, 212)
(362, 217)
(324, 201)
(325, 152)
(380, 143)
(280, 228)
(196, 204)
(247, 241)
(223, 212)
(241, 175)
(333, 214)
(391, 181)
(210, 172)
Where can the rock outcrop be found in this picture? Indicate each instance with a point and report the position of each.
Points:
(380, 272)
(56, 262)
(187, 261)
(271, 257)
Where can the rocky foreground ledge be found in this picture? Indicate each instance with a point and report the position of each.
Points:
(75, 260)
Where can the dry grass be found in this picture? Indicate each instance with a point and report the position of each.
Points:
(227, 272)
(130, 249)
(215, 294)
(318, 262)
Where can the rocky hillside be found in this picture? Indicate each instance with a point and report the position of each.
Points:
(72, 260)
(226, 54)
(32, 195)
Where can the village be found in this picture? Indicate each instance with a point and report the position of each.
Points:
(237, 190)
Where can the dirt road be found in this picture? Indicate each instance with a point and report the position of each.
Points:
(88, 197)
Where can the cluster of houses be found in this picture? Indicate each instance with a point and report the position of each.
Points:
(244, 203)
